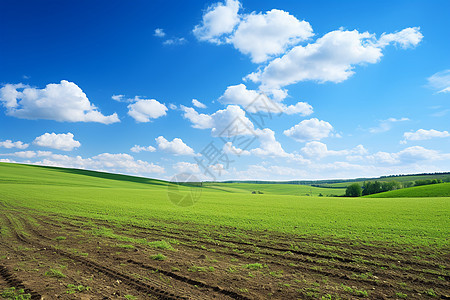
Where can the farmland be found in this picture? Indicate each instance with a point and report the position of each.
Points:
(71, 234)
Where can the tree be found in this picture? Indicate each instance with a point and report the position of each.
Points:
(353, 190)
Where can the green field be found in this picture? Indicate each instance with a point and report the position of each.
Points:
(276, 189)
(432, 190)
(142, 201)
(84, 233)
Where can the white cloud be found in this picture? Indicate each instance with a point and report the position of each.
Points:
(159, 32)
(269, 146)
(319, 150)
(440, 81)
(118, 98)
(23, 154)
(255, 101)
(330, 58)
(230, 121)
(172, 106)
(219, 18)
(63, 102)
(62, 141)
(198, 104)
(423, 134)
(301, 108)
(263, 36)
(228, 148)
(200, 121)
(406, 38)
(10, 144)
(186, 167)
(386, 125)
(144, 110)
(410, 155)
(137, 149)
(309, 130)
(176, 146)
(175, 41)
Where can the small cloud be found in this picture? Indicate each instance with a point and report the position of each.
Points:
(423, 134)
(144, 110)
(159, 32)
(441, 113)
(172, 106)
(137, 149)
(440, 81)
(175, 41)
(176, 146)
(198, 104)
(386, 125)
(63, 141)
(118, 98)
(26, 77)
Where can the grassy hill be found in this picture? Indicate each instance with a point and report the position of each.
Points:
(432, 190)
(276, 189)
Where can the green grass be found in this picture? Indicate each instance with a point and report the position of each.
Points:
(275, 189)
(54, 273)
(15, 294)
(431, 190)
(144, 202)
(158, 256)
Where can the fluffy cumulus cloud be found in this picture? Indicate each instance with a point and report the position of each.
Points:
(198, 104)
(186, 167)
(227, 122)
(255, 101)
(62, 141)
(440, 81)
(309, 130)
(319, 150)
(176, 146)
(144, 110)
(63, 102)
(332, 57)
(264, 35)
(137, 149)
(410, 155)
(259, 35)
(229, 148)
(10, 144)
(423, 134)
(219, 19)
(406, 38)
(269, 146)
(386, 125)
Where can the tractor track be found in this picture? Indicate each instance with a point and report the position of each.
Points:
(308, 268)
(12, 281)
(138, 285)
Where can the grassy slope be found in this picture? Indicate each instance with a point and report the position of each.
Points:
(397, 178)
(402, 220)
(432, 190)
(278, 189)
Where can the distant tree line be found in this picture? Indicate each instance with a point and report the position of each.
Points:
(374, 187)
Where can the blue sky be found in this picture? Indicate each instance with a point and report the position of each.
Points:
(358, 88)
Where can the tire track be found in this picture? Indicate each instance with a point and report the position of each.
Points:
(140, 286)
(308, 262)
(12, 281)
